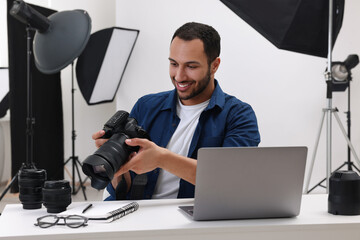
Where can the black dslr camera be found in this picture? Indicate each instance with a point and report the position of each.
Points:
(107, 160)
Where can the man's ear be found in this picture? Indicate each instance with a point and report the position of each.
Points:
(215, 65)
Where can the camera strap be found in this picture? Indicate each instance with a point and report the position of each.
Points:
(138, 186)
(121, 189)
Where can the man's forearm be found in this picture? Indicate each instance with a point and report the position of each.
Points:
(181, 166)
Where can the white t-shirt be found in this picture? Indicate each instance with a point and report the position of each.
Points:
(167, 185)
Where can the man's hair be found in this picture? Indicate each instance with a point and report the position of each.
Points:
(207, 34)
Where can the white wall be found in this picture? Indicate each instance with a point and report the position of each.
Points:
(286, 89)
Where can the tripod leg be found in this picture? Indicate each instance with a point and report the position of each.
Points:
(319, 184)
(81, 182)
(314, 153)
(353, 165)
(9, 186)
(68, 160)
(347, 138)
(78, 162)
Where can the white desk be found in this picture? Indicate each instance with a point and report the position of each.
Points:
(161, 219)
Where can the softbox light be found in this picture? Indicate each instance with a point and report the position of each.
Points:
(296, 25)
(102, 64)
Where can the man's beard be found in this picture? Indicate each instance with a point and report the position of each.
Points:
(202, 86)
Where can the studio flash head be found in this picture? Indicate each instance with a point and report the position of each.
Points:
(26, 14)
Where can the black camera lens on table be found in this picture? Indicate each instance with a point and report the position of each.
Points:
(56, 195)
(103, 164)
(31, 182)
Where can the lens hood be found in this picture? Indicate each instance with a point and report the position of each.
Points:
(97, 181)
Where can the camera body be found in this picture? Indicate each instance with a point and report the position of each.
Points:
(107, 160)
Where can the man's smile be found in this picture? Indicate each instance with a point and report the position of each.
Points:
(183, 86)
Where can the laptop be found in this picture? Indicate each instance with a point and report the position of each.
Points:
(248, 182)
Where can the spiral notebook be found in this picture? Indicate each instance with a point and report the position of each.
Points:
(248, 182)
(103, 211)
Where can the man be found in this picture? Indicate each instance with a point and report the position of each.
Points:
(197, 113)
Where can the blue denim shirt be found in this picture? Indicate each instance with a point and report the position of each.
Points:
(225, 122)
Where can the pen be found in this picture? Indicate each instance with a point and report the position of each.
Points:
(87, 207)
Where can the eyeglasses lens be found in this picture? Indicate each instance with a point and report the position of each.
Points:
(48, 221)
(75, 221)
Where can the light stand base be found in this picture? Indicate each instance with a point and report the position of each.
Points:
(350, 166)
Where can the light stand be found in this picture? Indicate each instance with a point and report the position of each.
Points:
(74, 159)
(342, 75)
(58, 40)
(328, 112)
(30, 120)
(350, 165)
(342, 79)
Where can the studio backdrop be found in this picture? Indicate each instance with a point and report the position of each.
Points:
(47, 106)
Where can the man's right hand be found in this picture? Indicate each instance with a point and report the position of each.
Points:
(98, 140)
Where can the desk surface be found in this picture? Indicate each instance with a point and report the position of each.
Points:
(161, 219)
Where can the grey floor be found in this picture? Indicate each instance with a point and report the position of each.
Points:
(91, 194)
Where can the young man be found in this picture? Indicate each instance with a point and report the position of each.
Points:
(197, 113)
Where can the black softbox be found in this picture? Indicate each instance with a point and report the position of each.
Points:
(295, 25)
(101, 66)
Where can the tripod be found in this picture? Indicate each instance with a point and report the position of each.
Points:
(350, 165)
(30, 120)
(74, 159)
(328, 112)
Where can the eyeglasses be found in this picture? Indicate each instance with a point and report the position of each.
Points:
(73, 221)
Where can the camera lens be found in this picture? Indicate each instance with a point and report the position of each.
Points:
(56, 195)
(102, 165)
(31, 182)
